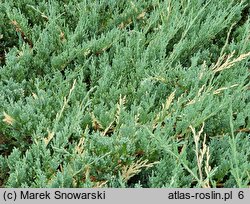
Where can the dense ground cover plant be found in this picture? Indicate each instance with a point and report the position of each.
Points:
(124, 93)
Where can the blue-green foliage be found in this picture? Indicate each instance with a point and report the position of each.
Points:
(91, 88)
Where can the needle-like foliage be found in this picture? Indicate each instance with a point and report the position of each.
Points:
(124, 93)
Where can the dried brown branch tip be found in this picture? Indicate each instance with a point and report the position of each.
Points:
(8, 119)
(23, 35)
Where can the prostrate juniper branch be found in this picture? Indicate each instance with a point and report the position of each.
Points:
(124, 93)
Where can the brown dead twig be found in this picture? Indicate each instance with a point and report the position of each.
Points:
(97, 126)
(129, 171)
(23, 35)
(226, 62)
(200, 152)
(8, 119)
